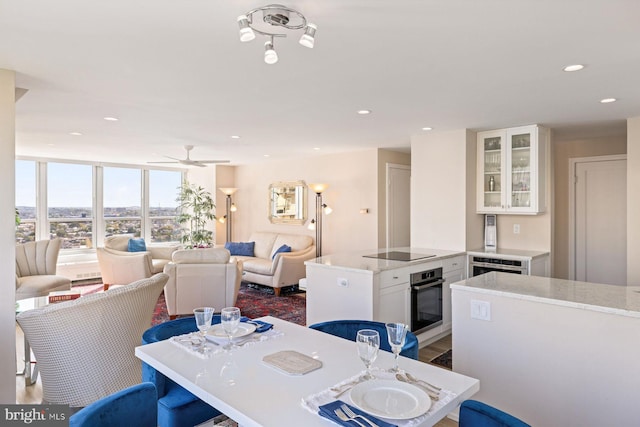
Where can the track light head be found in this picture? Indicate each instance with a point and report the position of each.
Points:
(308, 38)
(270, 55)
(246, 33)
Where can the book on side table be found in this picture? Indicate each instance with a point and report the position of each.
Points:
(59, 296)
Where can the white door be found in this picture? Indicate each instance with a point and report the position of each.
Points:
(600, 213)
(398, 205)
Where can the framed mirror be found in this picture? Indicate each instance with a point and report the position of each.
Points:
(288, 202)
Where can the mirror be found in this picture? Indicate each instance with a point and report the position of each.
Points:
(288, 202)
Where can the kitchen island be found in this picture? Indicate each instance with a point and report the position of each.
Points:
(355, 285)
(550, 351)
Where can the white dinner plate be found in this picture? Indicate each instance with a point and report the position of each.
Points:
(217, 331)
(390, 399)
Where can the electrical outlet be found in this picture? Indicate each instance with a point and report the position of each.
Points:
(516, 228)
(480, 310)
(343, 282)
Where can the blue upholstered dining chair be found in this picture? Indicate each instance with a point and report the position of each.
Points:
(478, 414)
(135, 405)
(348, 329)
(176, 406)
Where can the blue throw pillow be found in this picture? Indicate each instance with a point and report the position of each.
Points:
(136, 245)
(283, 248)
(240, 248)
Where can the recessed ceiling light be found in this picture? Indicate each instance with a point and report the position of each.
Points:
(316, 148)
(364, 112)
(574, 67)
(111, 119)
(51, 145)
(608, 100)
(75, 133)
(235, 136)
(266, 155)
(427, 128)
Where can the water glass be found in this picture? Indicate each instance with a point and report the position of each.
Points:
(368, 342)
(396, 334)
(203, 317)
(230, 319)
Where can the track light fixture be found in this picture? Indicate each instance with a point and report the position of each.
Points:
(275, 15)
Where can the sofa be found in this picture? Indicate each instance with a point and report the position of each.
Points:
(268, 267)
(201, 277)
(119, 266)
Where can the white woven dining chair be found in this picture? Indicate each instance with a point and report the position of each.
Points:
(85, 348)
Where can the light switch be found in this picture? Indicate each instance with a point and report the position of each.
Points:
(343, 282)
(516, 228)
(480, 310)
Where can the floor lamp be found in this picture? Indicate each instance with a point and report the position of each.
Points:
(317, 222)
(231, 208)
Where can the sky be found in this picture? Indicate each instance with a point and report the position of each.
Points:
(69, 185)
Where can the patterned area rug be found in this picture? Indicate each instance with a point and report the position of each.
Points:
(444, 360)
(253, 301)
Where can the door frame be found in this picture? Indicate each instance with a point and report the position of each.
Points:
(387, 192)
(572, 202)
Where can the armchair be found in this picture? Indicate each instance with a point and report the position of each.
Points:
(85, 348)
(118, 266)
(36, 269)
(201, 277)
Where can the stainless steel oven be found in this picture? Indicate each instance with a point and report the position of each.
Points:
(426, 300)
(483, 264)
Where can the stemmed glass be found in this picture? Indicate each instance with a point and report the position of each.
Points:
(203, 317)
(396, 334)
(230, 319)
(368, 342)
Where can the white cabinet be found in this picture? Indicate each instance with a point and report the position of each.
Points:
(453, 271)
(511, 170)
(394, 304)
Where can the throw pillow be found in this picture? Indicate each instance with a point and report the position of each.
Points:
(240, 248)
(136, 245)
(283, 248)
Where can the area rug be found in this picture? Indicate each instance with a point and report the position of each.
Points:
(253, 301)
(444, 360)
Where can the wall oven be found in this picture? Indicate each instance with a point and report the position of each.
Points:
(483, 264)
(426, 300)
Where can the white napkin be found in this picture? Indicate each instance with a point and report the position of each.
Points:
(313, 402)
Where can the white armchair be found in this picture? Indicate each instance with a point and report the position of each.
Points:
(201, 277)
(85, 348)
(36, 269)
(120, 267)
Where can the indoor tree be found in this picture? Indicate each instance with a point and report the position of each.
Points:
(196, 208)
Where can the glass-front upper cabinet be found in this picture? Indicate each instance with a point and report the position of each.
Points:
(511, 170)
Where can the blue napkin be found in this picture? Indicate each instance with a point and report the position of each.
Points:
(260, 325)
(327, 411)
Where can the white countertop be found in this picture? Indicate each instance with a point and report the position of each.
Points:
(614, 299)
(357, 261)
(508, 253)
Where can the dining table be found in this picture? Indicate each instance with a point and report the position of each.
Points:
(246, 385)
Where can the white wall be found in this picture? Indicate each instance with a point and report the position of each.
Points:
(633, 201)
(353, 184)
(439, 191)
(548, 364)
(7, 237)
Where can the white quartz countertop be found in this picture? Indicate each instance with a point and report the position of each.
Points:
(357, 261)
(508, 253)
(621, 300)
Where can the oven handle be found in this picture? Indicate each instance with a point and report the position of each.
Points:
(498, 266)
(428, 285)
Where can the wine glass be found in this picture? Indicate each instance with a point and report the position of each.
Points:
(368, 342)
(203, 317)
(230, 319)
(396, 334)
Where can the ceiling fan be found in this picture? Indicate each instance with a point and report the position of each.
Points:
(190, 162)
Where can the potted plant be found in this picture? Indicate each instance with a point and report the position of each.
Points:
(196, 208)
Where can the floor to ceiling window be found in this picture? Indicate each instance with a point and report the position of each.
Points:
(82, 203)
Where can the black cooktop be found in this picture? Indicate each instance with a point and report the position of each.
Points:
(398, 256)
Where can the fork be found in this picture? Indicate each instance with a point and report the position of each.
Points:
(352, 414)
(345, 418)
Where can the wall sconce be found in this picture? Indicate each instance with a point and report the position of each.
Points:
(231, 208)
(316, 223)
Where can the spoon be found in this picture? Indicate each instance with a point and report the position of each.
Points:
(414, 379)
(430, 392)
